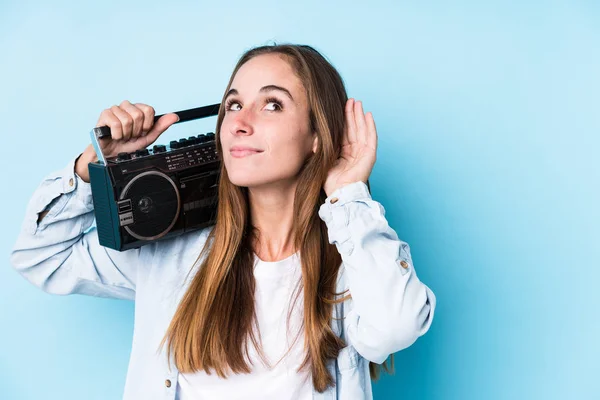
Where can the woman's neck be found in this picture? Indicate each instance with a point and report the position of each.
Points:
(272, 213)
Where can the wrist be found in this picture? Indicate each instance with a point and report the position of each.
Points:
(329, 190)
(81, 165)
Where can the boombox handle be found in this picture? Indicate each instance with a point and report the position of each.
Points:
(186, 115)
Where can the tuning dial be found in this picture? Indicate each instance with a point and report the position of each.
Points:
(202, 138)
(210, 135)
(174, 144)
(141, 152)
(159, 148)
(123, 156)
(183, 142)
(192, 140)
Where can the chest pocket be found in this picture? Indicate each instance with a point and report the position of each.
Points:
(350, 375)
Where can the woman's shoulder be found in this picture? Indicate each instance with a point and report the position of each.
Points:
(179, 251)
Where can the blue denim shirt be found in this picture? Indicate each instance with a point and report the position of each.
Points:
(390, 307)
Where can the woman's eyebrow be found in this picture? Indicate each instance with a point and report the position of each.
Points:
(264, 89)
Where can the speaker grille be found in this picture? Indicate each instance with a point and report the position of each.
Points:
(155, 205)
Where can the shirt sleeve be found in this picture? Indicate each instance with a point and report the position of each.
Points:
(61, 254)
(391, 306)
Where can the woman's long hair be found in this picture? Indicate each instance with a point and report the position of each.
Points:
(214, 321)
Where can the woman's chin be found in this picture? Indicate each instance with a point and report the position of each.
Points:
(243, 181)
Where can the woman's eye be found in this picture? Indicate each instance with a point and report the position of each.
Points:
(232, 104)
(276, 106)
(272, 105)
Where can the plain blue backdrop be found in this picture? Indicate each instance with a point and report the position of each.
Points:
(488, 118)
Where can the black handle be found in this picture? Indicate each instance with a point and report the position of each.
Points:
(185, 115)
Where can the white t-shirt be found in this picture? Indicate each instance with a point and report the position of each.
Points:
(276, 285)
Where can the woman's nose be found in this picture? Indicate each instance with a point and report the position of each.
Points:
(242, 122)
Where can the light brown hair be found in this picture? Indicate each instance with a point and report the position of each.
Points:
(212, 326)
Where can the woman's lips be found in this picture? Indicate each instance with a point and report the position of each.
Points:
(243, 153)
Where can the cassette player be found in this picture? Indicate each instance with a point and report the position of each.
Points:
(158, 193)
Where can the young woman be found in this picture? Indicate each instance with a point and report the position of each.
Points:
(300, 290)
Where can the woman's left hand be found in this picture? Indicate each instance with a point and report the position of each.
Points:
(359, 149)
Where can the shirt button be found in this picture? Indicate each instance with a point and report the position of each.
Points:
(334, 200)
(404, 264)
(168, 383)
(71, 182)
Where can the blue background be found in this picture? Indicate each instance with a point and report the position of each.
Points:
(488, 166)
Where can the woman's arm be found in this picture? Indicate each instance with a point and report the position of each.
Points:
(391, 306)
(56, 252)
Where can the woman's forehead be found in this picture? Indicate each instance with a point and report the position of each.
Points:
(265, 70)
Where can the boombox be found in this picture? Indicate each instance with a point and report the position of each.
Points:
(155, 194)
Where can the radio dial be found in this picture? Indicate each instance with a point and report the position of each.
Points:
(159, 148)
(123, 156)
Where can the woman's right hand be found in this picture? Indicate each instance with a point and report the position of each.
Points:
(132, 128)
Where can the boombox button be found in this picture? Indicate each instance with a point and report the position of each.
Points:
(123, 156)
(159, 148)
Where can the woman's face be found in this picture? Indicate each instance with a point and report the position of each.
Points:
(266, 109)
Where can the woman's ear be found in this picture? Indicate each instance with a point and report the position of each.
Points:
(315, 142)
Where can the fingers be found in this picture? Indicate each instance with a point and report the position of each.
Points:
(160, 126)
(148, 117)
(350, 122)
(135, 115)
(371, 131)
(361, 125)
(127, 121)
(108, 118)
